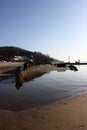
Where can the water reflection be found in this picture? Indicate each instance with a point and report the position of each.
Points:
(37, 74)
(44, 89)
(29, 78)
(26, 77)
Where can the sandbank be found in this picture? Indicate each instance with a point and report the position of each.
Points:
(8, 68)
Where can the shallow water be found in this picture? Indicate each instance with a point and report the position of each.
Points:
(49, 88)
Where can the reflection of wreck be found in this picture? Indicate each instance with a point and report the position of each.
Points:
(28, 72)
(29, 77)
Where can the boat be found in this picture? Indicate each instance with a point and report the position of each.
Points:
(73, 68)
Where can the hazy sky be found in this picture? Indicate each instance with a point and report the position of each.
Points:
(54, 27)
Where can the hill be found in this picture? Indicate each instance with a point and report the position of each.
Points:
(10, 53)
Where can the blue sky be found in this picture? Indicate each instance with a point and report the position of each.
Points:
(54, 27)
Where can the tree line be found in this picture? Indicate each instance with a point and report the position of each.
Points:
(8, 53)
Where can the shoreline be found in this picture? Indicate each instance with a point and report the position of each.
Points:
(68, 115)
(7, 70)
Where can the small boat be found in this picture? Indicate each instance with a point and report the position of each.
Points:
(72, 67)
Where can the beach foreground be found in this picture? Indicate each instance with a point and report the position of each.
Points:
(69, 115)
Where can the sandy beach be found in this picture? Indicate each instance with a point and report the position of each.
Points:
(69, 115)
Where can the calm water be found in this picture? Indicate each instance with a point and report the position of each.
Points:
(49, 88)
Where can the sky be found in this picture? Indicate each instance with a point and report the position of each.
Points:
(54, 27)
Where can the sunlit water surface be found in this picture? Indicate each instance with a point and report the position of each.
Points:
(51, 87)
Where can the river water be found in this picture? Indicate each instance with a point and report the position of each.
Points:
(51, 87)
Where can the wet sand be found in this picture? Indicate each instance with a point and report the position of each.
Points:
(69, 115)
(8, 69)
